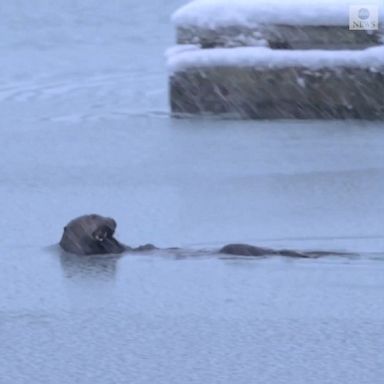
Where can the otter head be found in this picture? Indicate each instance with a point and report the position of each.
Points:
(91, 234)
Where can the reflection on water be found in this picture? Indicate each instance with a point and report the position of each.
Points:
(94, 267)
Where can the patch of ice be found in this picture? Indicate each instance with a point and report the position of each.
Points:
(213, 13)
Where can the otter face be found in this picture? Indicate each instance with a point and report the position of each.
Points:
(102, 233)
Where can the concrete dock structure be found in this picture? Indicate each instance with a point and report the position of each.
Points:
(261, 60)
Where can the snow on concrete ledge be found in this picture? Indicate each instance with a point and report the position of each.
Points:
(189, 57)
(215, 13)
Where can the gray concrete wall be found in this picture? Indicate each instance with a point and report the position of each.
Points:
(260, 93)
(280, 36)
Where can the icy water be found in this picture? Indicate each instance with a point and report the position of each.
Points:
(85, 127)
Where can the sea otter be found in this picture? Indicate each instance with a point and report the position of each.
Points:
(93, 235)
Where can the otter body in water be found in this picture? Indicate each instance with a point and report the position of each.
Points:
(93, 235)
(251, 250)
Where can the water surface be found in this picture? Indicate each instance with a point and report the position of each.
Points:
(84, 128)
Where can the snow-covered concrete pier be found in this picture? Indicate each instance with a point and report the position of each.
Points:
(269, 59)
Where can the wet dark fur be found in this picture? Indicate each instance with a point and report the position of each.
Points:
(251, 250)
(91, 234)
